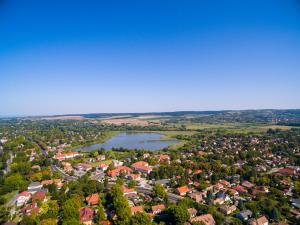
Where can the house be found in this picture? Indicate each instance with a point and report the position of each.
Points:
(120, 169)
(218, 201)
(206, 219)
(134, 176)
(30, 209)
(260, 221)
(136, 209)
(128, 191)
(70, 155)
(39, 196)
(67, 166)
(86, 215)
(227, 209)
(224, 183)
(83, 167)
(287, 171)
(197, 196)
(244, 215)
(192, 212)
(34, 187)
(101, 157)
(139, 163)
(157, 209)
(117, 163)
(105, 222)
(142, 167)
(164, 158)
(183, 190)
(103, 167)
(240, 189)
(92, 199)
(296, 202)
(23, 198)
(58, 183)
(247, 184)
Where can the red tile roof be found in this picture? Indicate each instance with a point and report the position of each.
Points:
(86, 214)
(207, 219)
(182, 190)
(40, 195)
(136, 209)
(92, 199)
(119, 170)
(157, 208)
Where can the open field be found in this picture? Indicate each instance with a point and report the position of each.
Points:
(129, 121)
(133, 121)
(236, 127)
(64, 118)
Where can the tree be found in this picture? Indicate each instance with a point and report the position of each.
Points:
(120, 205)
(4, 214)
(14, 182)
(71, 221)
(70, 209)
(241, 205)
(178, 214)
(159, 191)
(50, 221)
(49, 209)
(140, 218)
(132, 184)
(275, 214)
(100, 213)
(28, 220)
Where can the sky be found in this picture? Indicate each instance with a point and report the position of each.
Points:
(84, 56)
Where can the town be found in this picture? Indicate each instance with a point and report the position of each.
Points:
(212, 178)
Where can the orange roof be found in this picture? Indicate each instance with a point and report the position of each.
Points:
(198, 172)
(92, 199)
(158, 207)
(183, 189)
(139, 163)
(136, 209)
(127, 190)
(105, 222)
(260, 221)
(207, 219)
(164, 157)
(224, 182)
(118, 170)
(47, 182)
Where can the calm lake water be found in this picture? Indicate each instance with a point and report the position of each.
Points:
(147, 141)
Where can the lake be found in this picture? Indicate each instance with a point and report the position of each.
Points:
(145, 140)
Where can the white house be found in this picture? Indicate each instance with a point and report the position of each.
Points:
(23, 198)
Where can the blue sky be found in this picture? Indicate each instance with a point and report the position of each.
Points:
(66, 56)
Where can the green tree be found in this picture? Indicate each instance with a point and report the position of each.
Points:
(275, 214)
(4, 214)
(50, 221)
(70, 209)
(28, 220)
(178, 215)
(159, 191)
(14, 182)
(140, 218)
(100, 213)
(120, 205)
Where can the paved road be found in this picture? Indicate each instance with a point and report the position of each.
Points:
(54, 167)
(63, 174)
(172, 197)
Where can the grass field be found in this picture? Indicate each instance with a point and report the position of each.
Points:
(237, 127)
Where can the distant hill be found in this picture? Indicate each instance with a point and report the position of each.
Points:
(285, 116)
